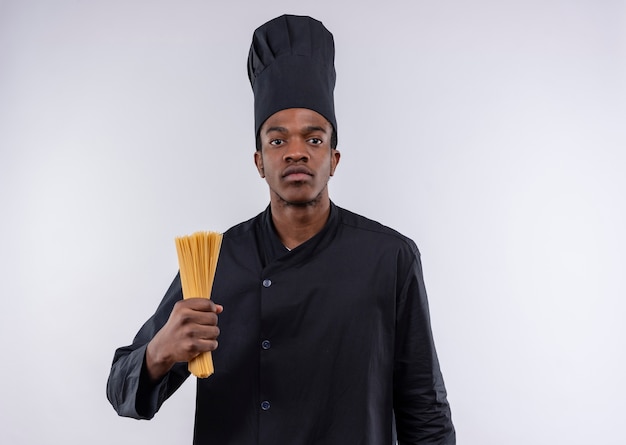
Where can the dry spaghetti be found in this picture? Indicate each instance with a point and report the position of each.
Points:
(197, 260)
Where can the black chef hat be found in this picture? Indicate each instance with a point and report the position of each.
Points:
(291, 65)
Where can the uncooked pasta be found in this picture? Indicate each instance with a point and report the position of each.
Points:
(197, 260)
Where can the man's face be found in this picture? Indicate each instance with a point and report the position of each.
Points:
(295, 157)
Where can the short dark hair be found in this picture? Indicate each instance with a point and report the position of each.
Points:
(333, 139)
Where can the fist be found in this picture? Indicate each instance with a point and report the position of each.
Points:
(190, 330)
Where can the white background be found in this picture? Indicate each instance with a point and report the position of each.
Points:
(493, 133)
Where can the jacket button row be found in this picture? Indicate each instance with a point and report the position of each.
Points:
(267, 283)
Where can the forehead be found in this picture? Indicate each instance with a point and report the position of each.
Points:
(295, 119)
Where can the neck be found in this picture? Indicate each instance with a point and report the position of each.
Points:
(297, 223)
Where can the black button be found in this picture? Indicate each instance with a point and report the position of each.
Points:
(265, 344)
(267, 283)
(265, 405)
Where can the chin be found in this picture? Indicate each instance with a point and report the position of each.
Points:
(298, 198)
(300, 201)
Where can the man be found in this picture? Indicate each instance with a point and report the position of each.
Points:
(324, 332)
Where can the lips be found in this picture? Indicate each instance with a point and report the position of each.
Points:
(297, 170)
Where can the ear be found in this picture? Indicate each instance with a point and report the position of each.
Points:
(334, 160)
(258, 161)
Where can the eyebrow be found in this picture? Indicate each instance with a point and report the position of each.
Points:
(278, 129)
(312, 128)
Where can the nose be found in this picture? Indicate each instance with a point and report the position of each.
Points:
(296, 151)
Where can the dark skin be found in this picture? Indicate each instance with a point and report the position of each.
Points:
(190, 330)
(297, 161)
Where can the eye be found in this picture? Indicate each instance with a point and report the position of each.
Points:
(277, 142)
(315, 141)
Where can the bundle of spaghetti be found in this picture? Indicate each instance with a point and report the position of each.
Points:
(197, 260)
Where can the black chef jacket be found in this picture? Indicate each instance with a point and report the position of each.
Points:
(329, 343)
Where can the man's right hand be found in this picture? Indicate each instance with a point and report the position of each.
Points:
(190, 330)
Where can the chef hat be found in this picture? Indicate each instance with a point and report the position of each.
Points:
(291, 65)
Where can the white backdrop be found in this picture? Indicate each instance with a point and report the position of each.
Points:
(490, 132)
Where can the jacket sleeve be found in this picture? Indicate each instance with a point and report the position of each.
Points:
(420, 400)
(128, 388)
